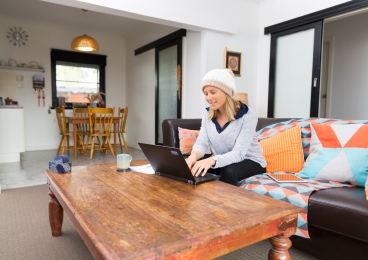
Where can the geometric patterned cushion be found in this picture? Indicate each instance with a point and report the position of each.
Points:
(304, 123)
(366, 188)
(294, 193)
(339, 153)
(283, 152)
(187, 139)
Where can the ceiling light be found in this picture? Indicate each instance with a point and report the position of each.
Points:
(85, 43)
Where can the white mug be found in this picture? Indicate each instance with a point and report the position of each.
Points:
(123, 162)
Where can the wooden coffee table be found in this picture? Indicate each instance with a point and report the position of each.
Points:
(129, 215)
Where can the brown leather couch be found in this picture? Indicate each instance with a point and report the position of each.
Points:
(337, 218)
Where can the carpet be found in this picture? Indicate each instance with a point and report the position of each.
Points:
(25, 232)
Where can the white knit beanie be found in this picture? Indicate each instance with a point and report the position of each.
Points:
(222, 79)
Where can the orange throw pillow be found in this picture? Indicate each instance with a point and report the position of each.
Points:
(284, 151)
(187, 139)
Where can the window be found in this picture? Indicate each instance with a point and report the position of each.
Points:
(74, 75)
(74, 81)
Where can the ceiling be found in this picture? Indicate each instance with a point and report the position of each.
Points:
(36, 10)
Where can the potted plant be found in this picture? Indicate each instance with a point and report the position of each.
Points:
(96, 97)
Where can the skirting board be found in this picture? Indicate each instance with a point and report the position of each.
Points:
(9, 157)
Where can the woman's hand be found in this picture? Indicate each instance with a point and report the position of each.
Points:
(191, 160)
(201, 167)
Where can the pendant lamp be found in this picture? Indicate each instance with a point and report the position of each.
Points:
(85, 43)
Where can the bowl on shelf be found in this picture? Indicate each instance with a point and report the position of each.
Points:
(33, 65)
(12, 63)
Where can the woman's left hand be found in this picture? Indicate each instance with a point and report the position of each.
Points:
(201, 167)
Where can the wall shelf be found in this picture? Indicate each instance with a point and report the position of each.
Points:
(20, 68)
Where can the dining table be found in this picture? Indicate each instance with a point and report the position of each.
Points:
(75, 120)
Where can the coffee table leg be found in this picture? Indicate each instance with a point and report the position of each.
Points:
(56, 214)
(280, 248)
(281, 243)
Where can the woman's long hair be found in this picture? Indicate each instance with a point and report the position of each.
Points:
(232, 106)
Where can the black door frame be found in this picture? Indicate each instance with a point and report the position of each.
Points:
(296, 23)
(317, 50)
(162, 43)
(179, 43)
(317, 16)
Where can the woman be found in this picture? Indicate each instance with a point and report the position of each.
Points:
(228, 128)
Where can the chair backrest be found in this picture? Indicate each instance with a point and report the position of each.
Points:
(60, 115)
(123, 115)
(100, 120)
(81, 112)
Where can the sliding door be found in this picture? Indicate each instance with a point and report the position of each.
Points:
(168, 91)
(295, 72)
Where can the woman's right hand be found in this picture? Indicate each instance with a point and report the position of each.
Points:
(191, 160)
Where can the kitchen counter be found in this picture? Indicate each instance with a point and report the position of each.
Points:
(11, 133)
(11, 106)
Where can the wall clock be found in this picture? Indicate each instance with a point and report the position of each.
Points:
(17, 35)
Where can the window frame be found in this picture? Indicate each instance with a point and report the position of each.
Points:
(76, 57)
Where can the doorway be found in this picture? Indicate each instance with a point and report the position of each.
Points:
(168, 85)
(295, 71)
(346, 71)
(168, 70)
(326, 78)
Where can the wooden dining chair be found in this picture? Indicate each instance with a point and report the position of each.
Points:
(83, 129)
(65, 133)
(123, 115)
(100, 121)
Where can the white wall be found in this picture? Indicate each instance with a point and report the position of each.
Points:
(202, 51)
(140, 91)
(273, 12)
(192, 74)
(349, 89)
(41, 130)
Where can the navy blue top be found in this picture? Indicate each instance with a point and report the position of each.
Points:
(242, 111)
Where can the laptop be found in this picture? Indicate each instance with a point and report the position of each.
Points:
(169, 162)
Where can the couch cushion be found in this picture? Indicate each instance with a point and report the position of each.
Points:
(342, 211)
(283, 152)
(187, 139)
(294, 193)
(339, 153)
(170, 129)
(304, 123)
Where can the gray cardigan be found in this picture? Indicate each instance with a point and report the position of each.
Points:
(238, 141)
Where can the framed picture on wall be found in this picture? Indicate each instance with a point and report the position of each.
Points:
(233, 61)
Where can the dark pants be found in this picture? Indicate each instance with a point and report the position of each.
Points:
(238, 171)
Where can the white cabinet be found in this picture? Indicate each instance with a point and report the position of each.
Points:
(11, 133)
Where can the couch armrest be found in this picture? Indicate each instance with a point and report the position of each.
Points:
(170, 129)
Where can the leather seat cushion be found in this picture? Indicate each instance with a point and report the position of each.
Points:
(341, 210)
